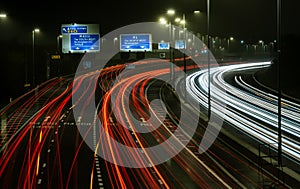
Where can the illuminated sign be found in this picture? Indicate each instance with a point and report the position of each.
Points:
(55, 56)
(80, 38)
(164, 45)
(135, 42)
(74, 29)
(84, 42)
(180, 44)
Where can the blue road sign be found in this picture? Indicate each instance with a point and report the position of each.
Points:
(84, 42)
(180, 44)
(73, 29)
(164, 45)
(135, 42)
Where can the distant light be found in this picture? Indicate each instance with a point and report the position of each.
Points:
(197, 12)
(2, 15)
(162, 21)
(36, 30)
(231, 38)
(177, 19)
(171, 12)
(27, 85)
(182, 22)
(242, 41)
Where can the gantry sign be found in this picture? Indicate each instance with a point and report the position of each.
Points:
(80, 38)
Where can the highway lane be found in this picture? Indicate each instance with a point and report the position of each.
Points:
(134, 138)
(54, 148)
(249, 109)
(41, 146)
(232, 176)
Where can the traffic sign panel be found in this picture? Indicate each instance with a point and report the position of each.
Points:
(73, 29)
(84, 42)
(135, 42)
(180, 44)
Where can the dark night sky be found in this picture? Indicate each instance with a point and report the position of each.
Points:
(244, 19)
(250, 20)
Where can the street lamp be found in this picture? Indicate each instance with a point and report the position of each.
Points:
(36, 30)
(171, 12)
(182, 21)
(3, 15)
(57, 42)
(228, 42)
(262, 45)
(115, 40)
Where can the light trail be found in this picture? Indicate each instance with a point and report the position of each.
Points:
(47, 128)
(250, 109)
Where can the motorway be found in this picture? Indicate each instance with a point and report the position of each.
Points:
(98, 130)
(252, 109)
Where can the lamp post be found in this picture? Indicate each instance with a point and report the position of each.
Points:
(278, 40)
(208, 46)
(58, 42)
(58, 39)
(182, 21)
(115, 40)
(36, 30)
(262, 45)
(228, 42)
(170, 27)
(208, 60)
(184, 54)
(171, 12)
